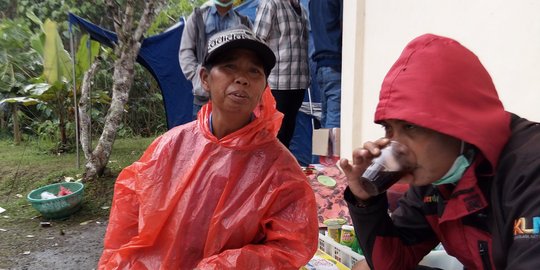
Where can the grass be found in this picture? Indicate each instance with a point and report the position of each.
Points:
(30, 166)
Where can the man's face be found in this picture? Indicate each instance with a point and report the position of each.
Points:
(435, 152)
(235, 82)
(224, 3)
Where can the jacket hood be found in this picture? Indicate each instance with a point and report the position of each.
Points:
(438, 84)
(262, 129)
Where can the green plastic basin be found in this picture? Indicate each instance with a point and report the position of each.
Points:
(59, 207)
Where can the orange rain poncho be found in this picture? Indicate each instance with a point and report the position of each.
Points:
(195, 202)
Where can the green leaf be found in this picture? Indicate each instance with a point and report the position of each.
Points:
(34, 18)
(7, 78)
(26, 101)
(87, 52)
(37, 89)
(57, 62)
(37, 41)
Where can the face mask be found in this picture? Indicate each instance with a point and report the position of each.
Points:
(223, 4)
(456, 171)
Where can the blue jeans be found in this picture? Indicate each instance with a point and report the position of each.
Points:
(329, 81)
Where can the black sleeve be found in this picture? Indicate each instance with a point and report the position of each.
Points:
(516, 199)
(399, 242)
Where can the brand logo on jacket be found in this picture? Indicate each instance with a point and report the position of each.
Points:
(431, 199)
(524, 230)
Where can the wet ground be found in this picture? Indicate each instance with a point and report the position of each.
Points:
(60, 246)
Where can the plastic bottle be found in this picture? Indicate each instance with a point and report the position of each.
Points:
(347, 235)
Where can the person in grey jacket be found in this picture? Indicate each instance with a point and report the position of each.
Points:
(199, 27)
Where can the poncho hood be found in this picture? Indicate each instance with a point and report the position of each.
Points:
(195, 202)
(267, 121)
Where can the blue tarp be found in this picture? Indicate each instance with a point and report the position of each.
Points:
(159, 55)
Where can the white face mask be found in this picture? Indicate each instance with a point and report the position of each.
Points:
(223, 4)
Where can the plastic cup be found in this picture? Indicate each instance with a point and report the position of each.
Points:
(334, 228)
(334, 231)
(395, 161)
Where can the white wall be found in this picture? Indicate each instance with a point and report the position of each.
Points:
(504, 34)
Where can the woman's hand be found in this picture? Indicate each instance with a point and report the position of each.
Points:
(361, 160)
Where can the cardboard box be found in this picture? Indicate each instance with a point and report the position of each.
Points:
(326, 142)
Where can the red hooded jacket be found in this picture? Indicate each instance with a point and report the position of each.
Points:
(438, 84)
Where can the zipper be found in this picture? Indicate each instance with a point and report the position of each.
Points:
(484, 254)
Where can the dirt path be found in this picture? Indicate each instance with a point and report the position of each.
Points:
(75, 246)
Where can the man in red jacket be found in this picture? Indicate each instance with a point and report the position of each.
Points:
(476, 181)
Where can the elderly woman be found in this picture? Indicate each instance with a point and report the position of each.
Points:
(220, 192)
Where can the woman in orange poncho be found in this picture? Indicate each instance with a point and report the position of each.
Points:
(220, 192)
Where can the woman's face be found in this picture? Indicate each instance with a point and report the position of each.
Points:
(435, 152)
(236, 82)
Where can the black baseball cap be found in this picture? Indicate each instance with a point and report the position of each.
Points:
(239, 37)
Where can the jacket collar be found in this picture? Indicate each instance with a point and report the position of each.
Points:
(467, 197)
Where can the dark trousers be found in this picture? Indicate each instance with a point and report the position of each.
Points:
(288, 102)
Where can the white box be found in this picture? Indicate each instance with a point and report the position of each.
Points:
(341, 253)
(345, 255)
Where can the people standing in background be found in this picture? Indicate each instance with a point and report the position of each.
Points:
(283, 25)
(201, 25)
(326, 20)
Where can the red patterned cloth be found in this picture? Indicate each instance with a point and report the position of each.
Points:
(330, 200)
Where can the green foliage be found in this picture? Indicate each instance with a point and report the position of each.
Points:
(58, 10)
(47, 130)
(18, 62)
(22, 57)
(39, 89)
(26, 101)
(53, 87)
(8, 9)
(86, 53)
(56, 60)
(171, 14)
(146, 113)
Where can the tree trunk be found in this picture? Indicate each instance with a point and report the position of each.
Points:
(16, 128)
(62, 128)
(126, 50)
(123, 79)
(11, 10)
(84, 113)
(3, 122)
